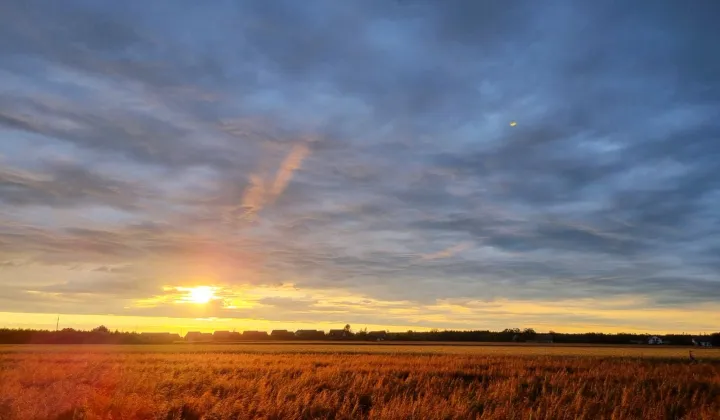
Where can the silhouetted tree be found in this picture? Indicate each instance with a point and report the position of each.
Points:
(102, 335)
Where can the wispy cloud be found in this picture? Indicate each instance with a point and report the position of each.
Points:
(292, 163)
(255, 196)
(261, 192)
(448, 252)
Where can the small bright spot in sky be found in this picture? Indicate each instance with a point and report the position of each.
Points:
(513, 123)
(201, 294)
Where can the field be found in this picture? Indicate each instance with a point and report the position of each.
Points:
(375, 381)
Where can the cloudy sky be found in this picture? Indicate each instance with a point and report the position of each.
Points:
(260, 164)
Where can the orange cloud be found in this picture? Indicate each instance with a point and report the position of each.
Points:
(259, 194)
(292, 162)
(254, 198)
(447, 252)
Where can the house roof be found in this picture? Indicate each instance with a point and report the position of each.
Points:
(226, 333)
(197, 333)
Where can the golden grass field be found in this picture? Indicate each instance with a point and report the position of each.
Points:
(349, 381)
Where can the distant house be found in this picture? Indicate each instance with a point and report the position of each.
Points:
(377, 335)
(198, 337)
(337, 334)
(254, 335)
(655, 340)
(310, 334)
(701, 342)
(282, 335)
(160, 337)
(226, 336)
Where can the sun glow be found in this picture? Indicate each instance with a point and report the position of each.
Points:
(200, 294)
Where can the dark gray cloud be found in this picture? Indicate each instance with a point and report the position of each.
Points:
(335, 145)
(66, 184)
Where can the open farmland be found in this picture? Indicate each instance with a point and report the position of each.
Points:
(345, 381)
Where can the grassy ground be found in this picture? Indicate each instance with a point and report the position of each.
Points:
(504, 349)
(328, 381)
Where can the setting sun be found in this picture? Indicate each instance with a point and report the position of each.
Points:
(200, 294)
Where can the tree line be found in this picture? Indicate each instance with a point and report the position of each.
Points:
(102, 335)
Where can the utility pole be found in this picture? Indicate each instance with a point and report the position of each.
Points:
(57, 324)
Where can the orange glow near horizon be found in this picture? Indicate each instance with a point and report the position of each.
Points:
(201, 304)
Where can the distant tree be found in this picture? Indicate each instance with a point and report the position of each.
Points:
(101, 329)
(347, 328)
(529, 332)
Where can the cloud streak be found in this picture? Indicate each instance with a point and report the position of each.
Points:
(447, 252)
(290, 164)
(261, 192)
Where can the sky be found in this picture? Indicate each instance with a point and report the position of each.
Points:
(176, 165)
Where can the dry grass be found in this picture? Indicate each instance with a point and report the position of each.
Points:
(277, 381)
(487, 349)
